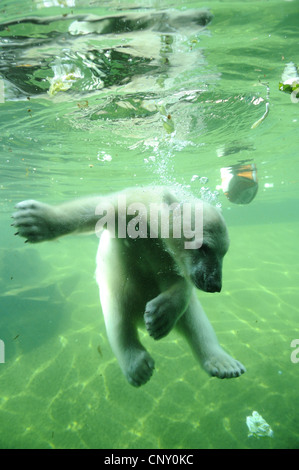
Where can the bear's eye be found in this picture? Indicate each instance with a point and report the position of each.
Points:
(204, 249)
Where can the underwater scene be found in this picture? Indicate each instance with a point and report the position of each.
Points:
(100, 96)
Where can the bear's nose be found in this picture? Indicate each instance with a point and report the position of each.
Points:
(213, 286)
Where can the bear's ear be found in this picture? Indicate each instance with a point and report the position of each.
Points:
(169, 198)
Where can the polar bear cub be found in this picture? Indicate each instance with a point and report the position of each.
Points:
(147, 268)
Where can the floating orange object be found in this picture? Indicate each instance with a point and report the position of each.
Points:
(239, 183)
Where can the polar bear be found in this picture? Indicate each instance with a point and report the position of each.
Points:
(146, 275)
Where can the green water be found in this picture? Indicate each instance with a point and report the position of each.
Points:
(60, 385)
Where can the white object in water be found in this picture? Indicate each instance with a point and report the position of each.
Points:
(64, 77)
(290, 74)
(257, 426)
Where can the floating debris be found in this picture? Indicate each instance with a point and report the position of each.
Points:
(258, 122)
(168, 123)
(257, 426)
(64, 77)
(289, 79)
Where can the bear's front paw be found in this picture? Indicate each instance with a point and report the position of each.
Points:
(34, 221)
(159, 316)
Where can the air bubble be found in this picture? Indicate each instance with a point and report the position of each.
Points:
(204, 180)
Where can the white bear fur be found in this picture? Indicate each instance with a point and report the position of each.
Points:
(144, 281)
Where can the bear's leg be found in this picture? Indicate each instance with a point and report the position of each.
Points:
(135, 362)
(122, 307)
(198, 331)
